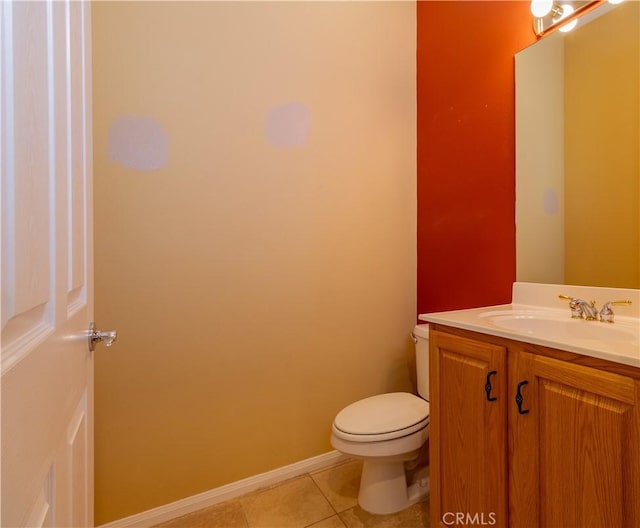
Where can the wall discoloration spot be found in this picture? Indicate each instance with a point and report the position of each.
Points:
(287, 125)
(551, 202)
(138, 143)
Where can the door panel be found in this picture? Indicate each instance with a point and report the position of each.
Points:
(468, 431)
(575, 446)
(584, 478)
(27, 300)
(47, 277)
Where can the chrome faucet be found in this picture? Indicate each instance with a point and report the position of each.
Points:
(606, 314)
(581, 309)
(586, 309)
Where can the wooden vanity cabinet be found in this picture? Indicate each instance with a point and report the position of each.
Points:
(568, 455)
(574, 458)
(468, 434)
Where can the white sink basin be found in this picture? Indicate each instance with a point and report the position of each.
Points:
(537, 316)
(552, 325)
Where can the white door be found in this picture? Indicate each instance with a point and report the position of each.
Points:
(47, 276)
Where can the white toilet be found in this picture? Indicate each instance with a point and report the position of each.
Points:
(387, 432)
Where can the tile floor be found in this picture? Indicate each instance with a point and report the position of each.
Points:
(322, 499)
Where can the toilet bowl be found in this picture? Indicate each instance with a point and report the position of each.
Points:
(388, 432)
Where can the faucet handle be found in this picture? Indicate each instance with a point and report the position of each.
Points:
(606, 314)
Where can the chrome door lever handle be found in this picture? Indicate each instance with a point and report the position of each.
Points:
(95, 336)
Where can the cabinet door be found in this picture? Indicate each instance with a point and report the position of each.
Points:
(574, 456)
(468, 443)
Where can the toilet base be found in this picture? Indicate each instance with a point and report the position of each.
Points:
(384, 489)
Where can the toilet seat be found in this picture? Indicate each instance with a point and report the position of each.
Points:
(382, 417)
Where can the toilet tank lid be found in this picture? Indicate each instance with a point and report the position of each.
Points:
(421, 330)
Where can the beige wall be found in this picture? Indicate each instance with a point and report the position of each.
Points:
(540, 162)
(256, 288)
(602, 165)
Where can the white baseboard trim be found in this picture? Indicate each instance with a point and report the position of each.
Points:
(205, 499)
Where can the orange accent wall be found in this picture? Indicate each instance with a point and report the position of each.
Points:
(466, 150)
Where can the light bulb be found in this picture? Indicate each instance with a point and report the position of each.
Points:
(566, 11)
(540, 8)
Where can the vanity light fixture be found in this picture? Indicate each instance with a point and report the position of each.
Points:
(549, 15)
(541, 8)
(567, 10)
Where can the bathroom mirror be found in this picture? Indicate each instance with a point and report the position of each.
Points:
(577, 153)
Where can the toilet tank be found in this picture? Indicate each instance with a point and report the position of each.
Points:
(421, 335)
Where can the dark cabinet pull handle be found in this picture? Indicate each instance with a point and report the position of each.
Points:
(519, 398)
(487, 386)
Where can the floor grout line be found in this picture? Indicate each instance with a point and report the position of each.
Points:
(335, 512)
